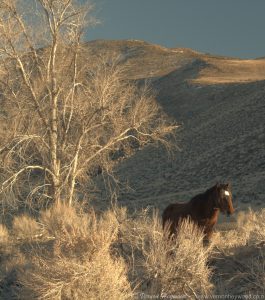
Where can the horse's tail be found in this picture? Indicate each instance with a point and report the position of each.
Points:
(166, 215)
(163, 219)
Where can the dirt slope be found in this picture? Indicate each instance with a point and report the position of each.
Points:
(220, 102)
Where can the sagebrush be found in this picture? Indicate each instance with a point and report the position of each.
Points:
(70, 253)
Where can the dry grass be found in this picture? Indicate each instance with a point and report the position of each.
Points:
(79, 255)
(160, 266)
(220, 71)
(3, 234)
(79, 263)
(249, 230)
(98, 277)
(26, 227)
(240, 267)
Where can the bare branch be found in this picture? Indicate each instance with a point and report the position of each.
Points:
(12, 179)
(65, 117)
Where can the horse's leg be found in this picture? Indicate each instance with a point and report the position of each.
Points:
(208, 235)
(169, 229)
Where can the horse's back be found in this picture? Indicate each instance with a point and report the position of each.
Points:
(173, 212)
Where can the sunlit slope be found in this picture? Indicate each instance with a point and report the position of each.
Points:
(220, 102)
(222, 70)
(144, 60)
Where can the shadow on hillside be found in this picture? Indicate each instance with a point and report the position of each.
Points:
(222, 126)
(180, 98)
(237, 273)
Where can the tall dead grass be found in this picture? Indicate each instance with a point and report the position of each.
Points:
(78, 264)
(240, 262)
(68, 253)
(161, 266)
(248, 230)
(3, 234)
(74, 254)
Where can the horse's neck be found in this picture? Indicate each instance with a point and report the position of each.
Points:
(204, 204)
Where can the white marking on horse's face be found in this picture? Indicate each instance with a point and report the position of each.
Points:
(227, 193)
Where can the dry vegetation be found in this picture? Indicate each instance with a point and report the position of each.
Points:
(64, 120)
(241, 253)
(67, 253)
(220, 71)
(61, 120)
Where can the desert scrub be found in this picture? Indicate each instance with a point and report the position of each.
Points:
(80, 263)
(115, 255)
(26, 227)
(249, 229)
(3, 234)
(239, 263)
(163, 266)
(100, 276)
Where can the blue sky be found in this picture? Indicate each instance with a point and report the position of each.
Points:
(225, 27)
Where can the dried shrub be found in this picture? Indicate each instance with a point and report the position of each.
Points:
(80, 265)
(163, 266)
(240, 262)
(4, 235)
(26, 227)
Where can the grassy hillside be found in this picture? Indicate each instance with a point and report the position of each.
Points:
(220, 103)
(122, 253)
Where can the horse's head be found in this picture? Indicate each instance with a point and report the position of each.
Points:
(224, 198)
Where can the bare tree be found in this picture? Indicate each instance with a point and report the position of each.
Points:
(61, 117)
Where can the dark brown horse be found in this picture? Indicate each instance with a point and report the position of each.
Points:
(202, 209)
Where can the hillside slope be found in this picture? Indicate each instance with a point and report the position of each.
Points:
(220, 103)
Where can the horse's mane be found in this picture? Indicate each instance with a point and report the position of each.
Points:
(203, 209)
(203, 196)
(203, 200)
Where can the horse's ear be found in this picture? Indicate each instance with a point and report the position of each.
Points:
(217, 184)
